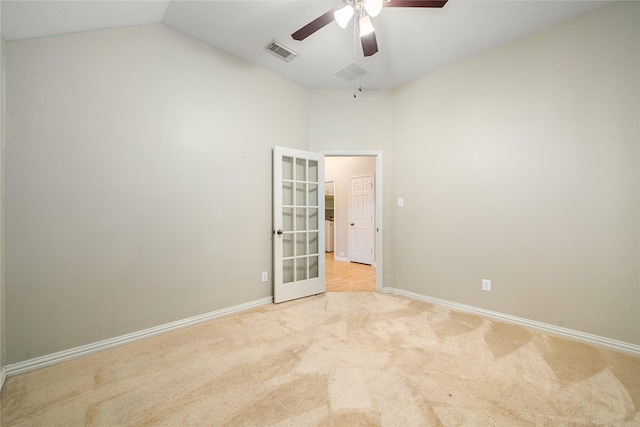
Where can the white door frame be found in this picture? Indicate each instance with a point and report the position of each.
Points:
(379, 202)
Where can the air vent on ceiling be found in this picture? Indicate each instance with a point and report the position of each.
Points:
(281, 51)
(351, 72)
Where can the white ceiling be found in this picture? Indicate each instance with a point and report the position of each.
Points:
(412, 41)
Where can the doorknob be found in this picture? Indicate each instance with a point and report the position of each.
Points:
(279, 232)
(352, 224)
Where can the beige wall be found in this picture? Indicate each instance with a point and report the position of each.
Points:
(340, 121)
(522, 166)
(138, 161)
(340, 170)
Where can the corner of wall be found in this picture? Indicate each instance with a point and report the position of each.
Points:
(3, 376)
(2, 311)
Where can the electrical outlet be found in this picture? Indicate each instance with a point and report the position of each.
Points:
(400, 202)
(265, 276)
(486, 284)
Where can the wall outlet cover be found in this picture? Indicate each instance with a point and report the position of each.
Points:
(486, 284)
(265, 276)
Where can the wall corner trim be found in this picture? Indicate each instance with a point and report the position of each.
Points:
(85, 350)
(3, 376)
(584, 337)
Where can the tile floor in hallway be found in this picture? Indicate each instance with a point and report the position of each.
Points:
(343, 276)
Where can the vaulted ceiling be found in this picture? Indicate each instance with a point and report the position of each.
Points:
(412, 41)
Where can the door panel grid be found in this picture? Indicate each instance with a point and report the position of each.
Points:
(302, 262)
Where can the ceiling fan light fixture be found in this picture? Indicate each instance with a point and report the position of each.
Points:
(343, 16)
(366, 26)
(373, 7)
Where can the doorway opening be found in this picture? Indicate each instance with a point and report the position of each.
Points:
(353, 215)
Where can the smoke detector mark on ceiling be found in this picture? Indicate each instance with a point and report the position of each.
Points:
(281, 51)
(351, 72)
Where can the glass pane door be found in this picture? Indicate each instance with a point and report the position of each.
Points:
(298, 226)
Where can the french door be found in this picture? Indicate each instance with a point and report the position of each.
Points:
(298, 224)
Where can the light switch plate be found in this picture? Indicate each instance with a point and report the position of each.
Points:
(400, 202)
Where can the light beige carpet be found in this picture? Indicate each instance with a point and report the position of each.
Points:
(340, 359)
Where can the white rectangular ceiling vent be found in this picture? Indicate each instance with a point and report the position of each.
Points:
(281, 51)
(351, 72)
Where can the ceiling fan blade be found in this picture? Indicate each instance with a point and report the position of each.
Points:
(415, 3)
(314, 25)
(369, 44)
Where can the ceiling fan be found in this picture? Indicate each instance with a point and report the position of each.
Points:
(363, 10)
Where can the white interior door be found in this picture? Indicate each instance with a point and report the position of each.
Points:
(298, 224)
(361, 219)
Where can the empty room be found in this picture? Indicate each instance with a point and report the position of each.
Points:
(169, 186)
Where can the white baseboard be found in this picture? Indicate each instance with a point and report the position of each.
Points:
(62, 356)
(73, 353)
(596, 340)
(341, 258)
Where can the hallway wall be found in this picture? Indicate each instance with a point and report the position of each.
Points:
(340, 170)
